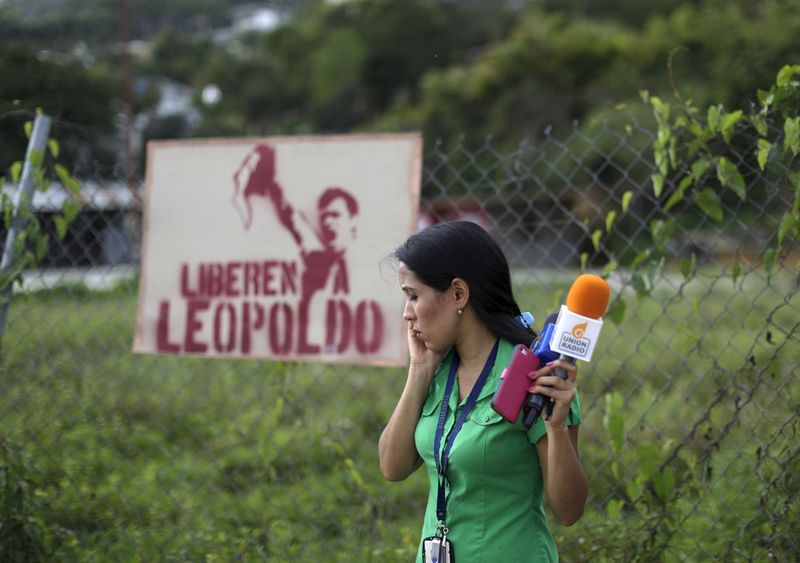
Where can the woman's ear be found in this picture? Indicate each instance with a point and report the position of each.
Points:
(460, 292)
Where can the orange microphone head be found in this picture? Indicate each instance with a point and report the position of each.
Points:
(589, 296)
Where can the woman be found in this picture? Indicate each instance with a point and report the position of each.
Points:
(463, 323)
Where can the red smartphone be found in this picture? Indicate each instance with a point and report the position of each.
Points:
(514, 383)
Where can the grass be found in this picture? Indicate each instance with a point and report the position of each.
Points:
(140, 458)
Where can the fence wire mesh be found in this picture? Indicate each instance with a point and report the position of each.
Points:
(690, 406)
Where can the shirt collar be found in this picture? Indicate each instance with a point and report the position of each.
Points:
(504, 352)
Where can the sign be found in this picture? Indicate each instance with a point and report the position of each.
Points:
(273, 248)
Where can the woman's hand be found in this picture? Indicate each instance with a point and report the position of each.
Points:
(422, 358)
(562, 391)
(397, 451)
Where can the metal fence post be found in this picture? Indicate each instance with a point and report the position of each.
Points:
(38, 142)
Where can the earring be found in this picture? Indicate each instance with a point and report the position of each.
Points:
(460, 312)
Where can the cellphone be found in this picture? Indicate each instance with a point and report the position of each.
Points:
(514, 383)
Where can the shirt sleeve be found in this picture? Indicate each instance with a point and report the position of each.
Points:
(538, 429)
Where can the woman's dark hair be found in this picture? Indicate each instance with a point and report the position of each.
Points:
(461, 249)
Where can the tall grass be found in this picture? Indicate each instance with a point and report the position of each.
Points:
(129, 457)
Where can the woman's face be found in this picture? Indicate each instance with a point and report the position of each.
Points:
(433, 315)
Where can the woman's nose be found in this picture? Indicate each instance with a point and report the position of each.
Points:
(408, 312)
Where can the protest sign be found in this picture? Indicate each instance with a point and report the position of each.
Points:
(273, 248)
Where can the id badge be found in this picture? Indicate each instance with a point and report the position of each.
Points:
(437, 550)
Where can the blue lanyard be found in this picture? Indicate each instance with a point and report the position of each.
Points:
(441, 466)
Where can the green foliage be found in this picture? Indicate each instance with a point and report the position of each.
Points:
(23, 534)
(697, 141)
(31, 243)
(192, 458)
(455, 70)
(80, 100)
(176, 55)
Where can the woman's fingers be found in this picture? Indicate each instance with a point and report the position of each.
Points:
(547, 381)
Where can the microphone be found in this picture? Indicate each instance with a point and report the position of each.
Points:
(534, 403)
(571, 335)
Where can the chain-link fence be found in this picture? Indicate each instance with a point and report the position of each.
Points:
(690, 406)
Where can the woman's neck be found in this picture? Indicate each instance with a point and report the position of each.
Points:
(474, 347)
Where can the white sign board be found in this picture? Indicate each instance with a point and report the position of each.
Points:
(272, 248)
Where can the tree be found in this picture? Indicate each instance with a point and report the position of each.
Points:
(80, 99)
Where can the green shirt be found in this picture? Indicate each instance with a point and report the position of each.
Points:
(495, 490)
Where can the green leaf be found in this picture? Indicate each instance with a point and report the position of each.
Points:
(660, 231)
(639, 285)
(70, 210)
(765, 99)
(708, 202)
(61, 227)
(770, 256)
(677, 195)
(42, 246)
(687, 266)
(641, 257)
(764, 147)
(52, 144)
(74, 186)
(647, 454)
(660, 110)
(596, 239)
(712, 117)
(785, 75)
(729, 177)
(29, 259)
(614, 508)
(729, 122)
(612, 215)
(61, 172)
(673, 152)
(654, 271)
(28, 128)
(760, 124)
(794, 178)
(791, 128)
(67, 180)
(616, 313)
(700, 167)
(8, 210)
(626, 201)
(614, 420)
(36, 157)
(15, 172)
(737, 269)
(635, 489)
(664, 483)
(40, 182)
(584, 260)
(610, 267)
(788, 222)
(658, 184)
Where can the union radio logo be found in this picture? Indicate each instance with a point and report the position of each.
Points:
(575, 340)
(579, 330)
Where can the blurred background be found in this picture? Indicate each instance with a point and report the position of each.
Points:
(535, 127)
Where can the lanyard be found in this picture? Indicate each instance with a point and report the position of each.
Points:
(441, 466)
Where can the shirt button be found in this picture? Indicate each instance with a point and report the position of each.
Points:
(487, 419)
